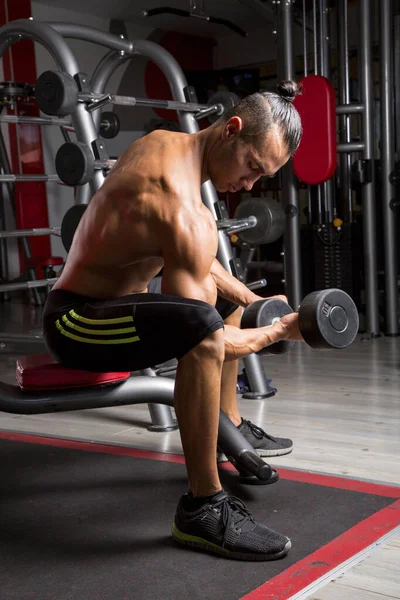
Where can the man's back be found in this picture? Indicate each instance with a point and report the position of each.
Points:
(155, 185)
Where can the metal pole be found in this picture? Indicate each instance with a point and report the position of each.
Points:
(325, 41)
(102, 73)
(396, 19)
(349, 109)
(160, 414)
(27, 285)
(17, 178)
(387, 166)
(25, 245)
(305, 63)
(369, 212)
(305, 57)
(290, 198)
(4, 271)
(16, 119)
(327, 188)
(315, 38)
(350, 147)
(344, 99)
(17, 233)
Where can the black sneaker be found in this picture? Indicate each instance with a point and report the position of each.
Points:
(225, 526)
(263, 443)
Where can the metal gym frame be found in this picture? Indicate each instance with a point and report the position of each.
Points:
(366, 147)
(147, 387)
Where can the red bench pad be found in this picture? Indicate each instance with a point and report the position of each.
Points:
(42, 372)
(316, 158)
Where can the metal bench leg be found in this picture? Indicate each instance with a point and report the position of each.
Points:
(160, 414)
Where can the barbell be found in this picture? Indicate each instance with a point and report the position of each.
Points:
(57, 93)
(327, 319)
(270, 220)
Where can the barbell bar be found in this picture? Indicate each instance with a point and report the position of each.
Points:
(19, 233)
(22, 120)
(26, 285)
(57, 93)
(109, 124)
(147, 102)
(105, 164)
(20, 178)
(231, 226)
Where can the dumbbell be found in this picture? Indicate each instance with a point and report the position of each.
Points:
(327, 319)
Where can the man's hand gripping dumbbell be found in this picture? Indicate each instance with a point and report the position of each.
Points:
(326, 319)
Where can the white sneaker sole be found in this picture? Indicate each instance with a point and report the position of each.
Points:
(221, 458)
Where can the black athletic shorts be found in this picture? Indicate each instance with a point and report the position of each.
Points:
(128, 333)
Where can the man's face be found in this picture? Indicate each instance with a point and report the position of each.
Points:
(236, 165)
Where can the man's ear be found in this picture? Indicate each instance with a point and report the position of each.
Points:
(232, 128)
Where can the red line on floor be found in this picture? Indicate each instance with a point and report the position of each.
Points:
(91, 447)
(297, 577)
(287, 474)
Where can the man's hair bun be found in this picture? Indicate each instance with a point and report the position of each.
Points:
(288, 90)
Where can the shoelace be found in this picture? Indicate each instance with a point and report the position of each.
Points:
(232, 509)
(257, 431)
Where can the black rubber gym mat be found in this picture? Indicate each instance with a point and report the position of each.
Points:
(92, 522)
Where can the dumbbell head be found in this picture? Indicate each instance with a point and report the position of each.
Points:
(109, 125)
(328, 319)
(265, 312)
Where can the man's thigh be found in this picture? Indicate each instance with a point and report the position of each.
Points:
(224, 307)
(128, 333)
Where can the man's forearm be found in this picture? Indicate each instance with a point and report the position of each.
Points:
(231, 288)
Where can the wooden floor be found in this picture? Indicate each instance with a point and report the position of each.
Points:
(341, 408)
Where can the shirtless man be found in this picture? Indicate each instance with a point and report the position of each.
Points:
(98, 316)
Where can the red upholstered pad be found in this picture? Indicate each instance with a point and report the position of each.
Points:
(315, 160)
(42, 372)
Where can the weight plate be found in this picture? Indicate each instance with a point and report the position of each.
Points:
(270, 220)
(328, 319)
(261, 314)
(56, 93)
(227, 99)
(70, 224)
(109, 125)
(75, 163)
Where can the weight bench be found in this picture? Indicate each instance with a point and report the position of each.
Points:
(45, 386)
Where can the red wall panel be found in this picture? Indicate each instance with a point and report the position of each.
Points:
(25, 140)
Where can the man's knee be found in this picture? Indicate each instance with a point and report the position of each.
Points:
(211, 347)
(235, 317)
